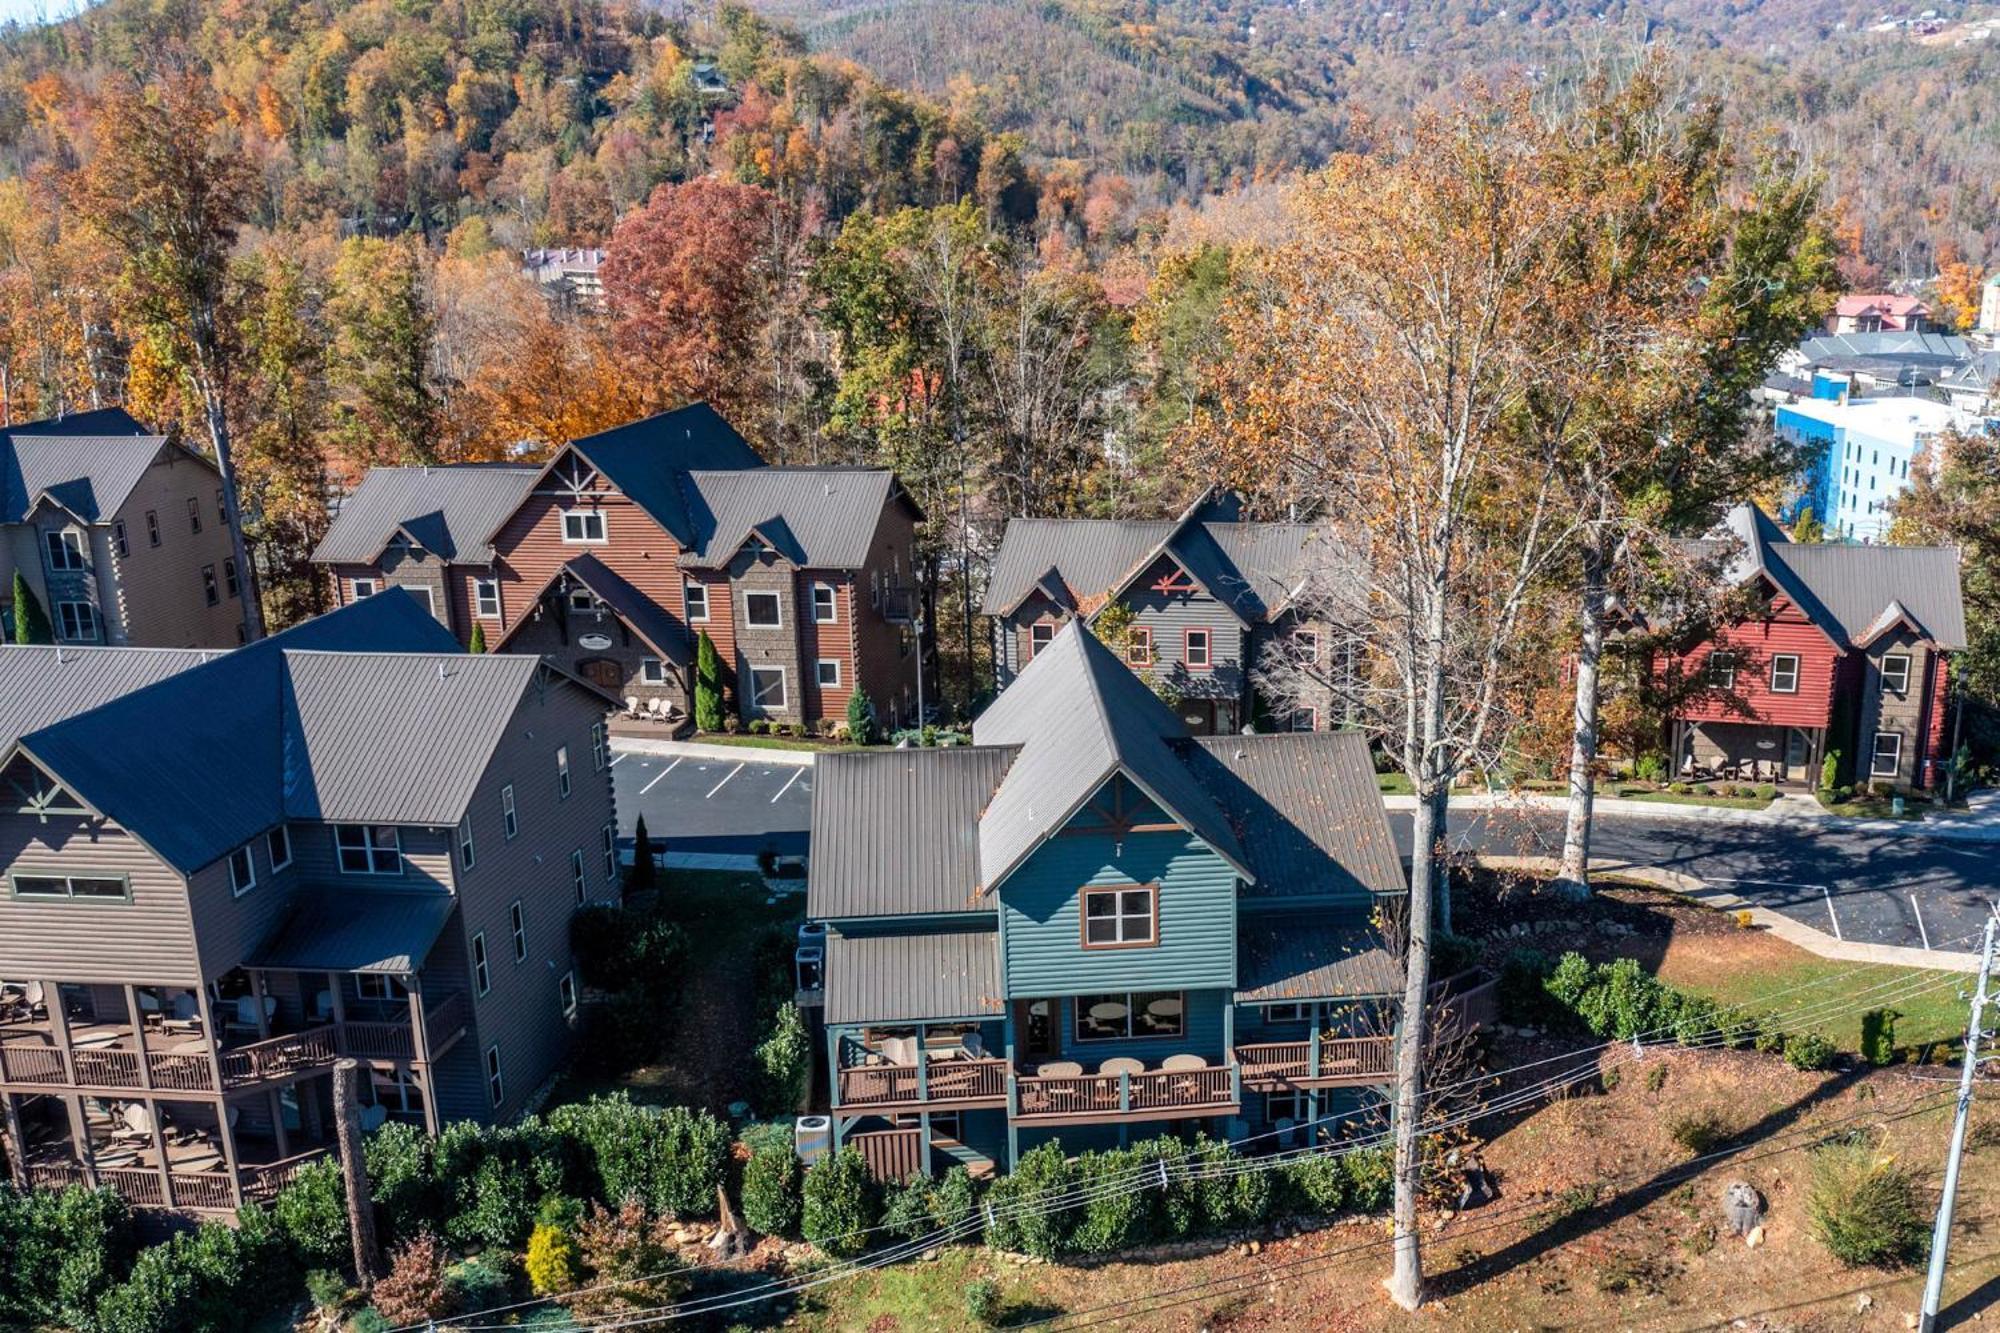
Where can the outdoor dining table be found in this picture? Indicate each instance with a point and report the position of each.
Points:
(1060, 1069)
(1180, 1063)
(1123, 1064)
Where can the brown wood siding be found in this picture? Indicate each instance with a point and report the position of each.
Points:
(529, 549)
(1754, 644)
(882, 668)
(522, 1012)
(159, 589)
(835, 641)
(147, 940)
(229, 929)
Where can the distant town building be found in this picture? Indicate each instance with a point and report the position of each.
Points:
(570, 275)
(1867, 447)
(1853, 365)
(1989, 305)
(1882, 312)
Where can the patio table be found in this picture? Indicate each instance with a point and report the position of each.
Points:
(1180, 1063)
(1123, 1064)
(1060, 1069)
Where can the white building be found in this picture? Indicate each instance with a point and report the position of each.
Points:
(1870, 446)
(1989, 305)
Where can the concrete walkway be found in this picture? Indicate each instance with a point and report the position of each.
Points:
(1792, 810)
(735, 754)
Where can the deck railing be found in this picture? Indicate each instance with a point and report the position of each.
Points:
(891, 1154)
(955, 1080)
(141, 1186)
(444, 1017)
(1341, 1060)
(1212, 1087)
(276, 1057)
(261, 1182)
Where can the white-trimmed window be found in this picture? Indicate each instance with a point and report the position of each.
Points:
(54, 884)
(566, 993)
(242, 871)
(1302, 719)
(824, 610)
(826, 672)
(696, 600)
(118, 542)
(466, 857)
(65, 549)
(1139, 645)
(582, 599)
(763, 610)
(611, 854)
(1721, 669)
(194, 513)
(230, 583)
(1896, 672)
(1784, 673)
(517, 922)
(278, 843)
(486, 598)
(152, 528)
(77, 621)
(496, 1089)
(1287, 1013)
(368, 849)
(1040, 637)
(1887, 758)
(562, 772)
(362, 588)
(1198, 653)
(597, 747)
(508, 822)
(211, 592)
(767, 687)
(482, 975)
(1305, 645)
(576, 875)
(583, 526)
(1293, 1104)
(1121, 917)
(651, 672)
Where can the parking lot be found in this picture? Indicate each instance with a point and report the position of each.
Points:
(1867, 886)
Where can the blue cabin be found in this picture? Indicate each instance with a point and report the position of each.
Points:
(1091, 926)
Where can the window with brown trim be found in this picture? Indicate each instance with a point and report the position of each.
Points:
(1125, 917)
(1197, 654)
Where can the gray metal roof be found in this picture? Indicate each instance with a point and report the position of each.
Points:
(200, 762)
(89, 475)
(340, 928)
(1306, 810)
(1890, 345)
(909, 978)
(649, 459)
(1283, 956)
(394, 738)
(451, 512)
(1080, 717)
(1249, 566)
(897, 831)
(41, 685)
(819, 517)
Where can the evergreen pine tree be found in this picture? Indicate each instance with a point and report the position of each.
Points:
(478, 644)
(31, 623)
(707, 685)
(860, 719)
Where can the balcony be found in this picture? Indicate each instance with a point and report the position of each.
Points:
(938, 1085)
(445, 1020)
(1330, 1062)
(1155, 1094)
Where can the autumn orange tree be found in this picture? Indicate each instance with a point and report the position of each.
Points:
(1381, 363)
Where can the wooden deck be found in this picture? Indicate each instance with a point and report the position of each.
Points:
(1157, 1094)
(1342, 1062)
(940, 1085)
(188, 1191)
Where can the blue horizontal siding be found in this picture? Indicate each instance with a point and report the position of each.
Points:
(1041, 949)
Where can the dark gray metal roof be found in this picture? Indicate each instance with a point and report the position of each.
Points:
(648, 460)
(821, 517)
(1251, 567)
(896, 832)
(452, 512)
(1306, 810)
(1080, 717)
(200, 762)
(908, 978)
(1283, 956)
(339, 928)
(1891, 345)
(41, 685)
(88, 475)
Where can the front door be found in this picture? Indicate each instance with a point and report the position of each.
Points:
(1798, 754)
(604, 673)
(1034, 1024)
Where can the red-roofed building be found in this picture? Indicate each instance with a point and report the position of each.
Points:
(1883, 312)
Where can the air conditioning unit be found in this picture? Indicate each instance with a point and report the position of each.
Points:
(812, 932)
(812, 1137)
(809, 962)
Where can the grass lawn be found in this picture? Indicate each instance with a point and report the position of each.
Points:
(1675, 798)
(772, 742)
(1874, 807)
(1394, 784)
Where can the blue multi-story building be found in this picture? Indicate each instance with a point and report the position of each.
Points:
(1865, 449)
(1090, 925)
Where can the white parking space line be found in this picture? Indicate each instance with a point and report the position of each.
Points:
(656, 777)
(724, 783)
(618, 759)
(797, 773)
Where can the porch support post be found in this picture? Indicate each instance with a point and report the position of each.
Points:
(420, 1052)
(1013, 1138)
(924, 1142)
(1228, 1027)
(1312, 1063)
(224, 1130)
(337, 1007)
(923, 1067)
(833, 1035)
(79, 1135)
(139, 1040)
(17, 1146)
(59, 1027)
(839, 1132)
(257, 1001)
(160, 1148)
(277, 1107)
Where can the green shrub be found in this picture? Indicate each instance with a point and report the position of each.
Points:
(1316, 1183)
(982, 1302)
(1112, 1219)
(311, 1211)
(408, 1200)
(925, 1207)
(481, 1282)
(327, 1288)
(1371, 1179)
(841, 1203)
(1019, 1200)
(496, 1204)
(785, 1061)
(707, 684)
(1864, 1208)
(671, 1158)
(1523, 1001)
(861, 725)
(906, 1209)
(551, 1261)
(1878, 1036)
(1698, 1131)
(1766, 792)
(1650, 767)
(60, 1252)
(759, 727)
(1808, 1051)
(771, 1182)
(1829, 771)
(214, 1279)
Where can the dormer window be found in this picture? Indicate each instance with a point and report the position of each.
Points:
(1896, 672)
(583, 526)
(65, 549)
(1139, 646)
(368, 849)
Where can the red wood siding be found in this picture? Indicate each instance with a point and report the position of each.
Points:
(529, 550)
(834, 640)
(1936, 751)
(1755, 643)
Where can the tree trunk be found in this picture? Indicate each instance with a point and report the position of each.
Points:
(246, 573)
(360, 1206)
(1441, 872)
(1573, 880)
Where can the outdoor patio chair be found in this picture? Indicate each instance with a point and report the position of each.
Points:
(632, 705)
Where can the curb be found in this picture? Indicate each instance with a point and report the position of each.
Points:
(1812, 940)
(748, 754)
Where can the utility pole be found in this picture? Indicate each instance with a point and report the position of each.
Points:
(1941, 1236)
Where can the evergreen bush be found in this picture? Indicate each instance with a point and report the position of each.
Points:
(1864, 1207)
(707, 685)
(771, 1180)
(841, 1203)
(785, 1061)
